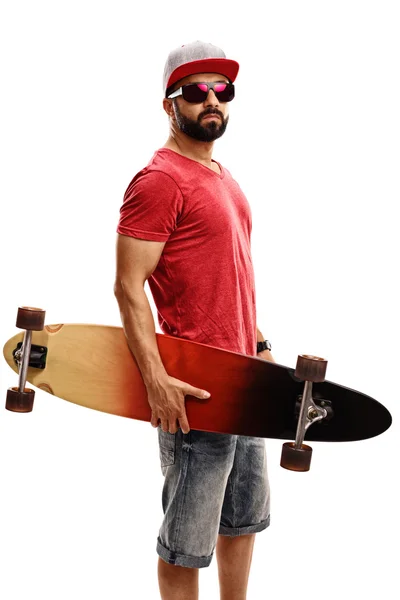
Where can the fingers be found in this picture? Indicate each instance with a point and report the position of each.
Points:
(172, 415)
(172, 426)
(184, 424)
(165, 424)
(197, 392)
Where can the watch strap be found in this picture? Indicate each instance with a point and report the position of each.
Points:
(265, 345)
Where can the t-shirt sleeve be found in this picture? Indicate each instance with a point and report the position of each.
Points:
(151, 207)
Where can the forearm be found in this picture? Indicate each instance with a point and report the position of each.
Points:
(260, 337)
(138, 323)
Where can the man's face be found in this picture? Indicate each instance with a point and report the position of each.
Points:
(207, 120)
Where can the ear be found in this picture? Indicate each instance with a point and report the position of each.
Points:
(169, 109)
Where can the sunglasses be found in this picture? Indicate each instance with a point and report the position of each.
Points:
(198, 92)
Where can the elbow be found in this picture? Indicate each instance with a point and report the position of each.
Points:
(118, 290)
(127, 291)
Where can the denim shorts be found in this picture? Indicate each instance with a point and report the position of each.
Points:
(214, 484)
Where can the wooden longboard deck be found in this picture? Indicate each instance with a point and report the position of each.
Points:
(91, 365)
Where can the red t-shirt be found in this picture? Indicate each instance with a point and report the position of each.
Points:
(203, 286)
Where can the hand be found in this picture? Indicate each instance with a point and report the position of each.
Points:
(166, 397)
(266, 355)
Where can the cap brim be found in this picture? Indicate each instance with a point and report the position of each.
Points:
(224, 66)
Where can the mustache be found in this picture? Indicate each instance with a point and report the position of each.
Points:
(211, 111)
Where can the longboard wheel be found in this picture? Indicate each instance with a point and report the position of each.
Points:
(17, 401)
(296, 459)
(30, 318)
(311, 368)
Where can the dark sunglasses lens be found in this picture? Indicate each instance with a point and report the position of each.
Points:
(225, 92)
(194, 92)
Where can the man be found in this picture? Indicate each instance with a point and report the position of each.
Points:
(185, 227)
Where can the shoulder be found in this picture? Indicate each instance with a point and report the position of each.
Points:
(160, 174)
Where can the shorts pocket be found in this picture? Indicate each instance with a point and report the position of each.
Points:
(167, 444)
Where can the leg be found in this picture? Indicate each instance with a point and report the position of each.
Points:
(177, 583)
(234, 556)
(196, 467)
(245, 512)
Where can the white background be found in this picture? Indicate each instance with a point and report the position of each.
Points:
(314, 142)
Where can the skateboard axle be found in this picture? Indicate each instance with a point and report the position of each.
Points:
(309, 414)
(24, 360)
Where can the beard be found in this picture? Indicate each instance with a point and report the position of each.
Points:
(203, 133)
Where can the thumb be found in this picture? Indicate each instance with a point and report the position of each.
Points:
(197, 392)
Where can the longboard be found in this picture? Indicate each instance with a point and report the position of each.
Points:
(91, 365)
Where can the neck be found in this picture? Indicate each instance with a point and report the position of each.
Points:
(189, 147)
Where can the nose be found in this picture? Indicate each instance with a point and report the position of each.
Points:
(211, 99)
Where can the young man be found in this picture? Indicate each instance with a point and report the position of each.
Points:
(185, 227)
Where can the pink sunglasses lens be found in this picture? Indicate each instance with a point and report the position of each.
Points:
(218, 87)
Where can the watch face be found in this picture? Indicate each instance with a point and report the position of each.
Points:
(265, 345)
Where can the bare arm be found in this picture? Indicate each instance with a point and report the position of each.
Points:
(136, 261)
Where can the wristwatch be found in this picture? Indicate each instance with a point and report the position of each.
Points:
(265, 345)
